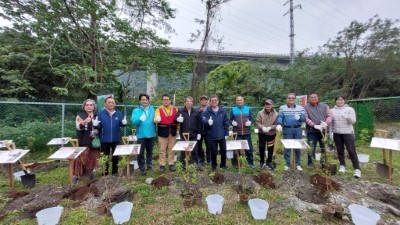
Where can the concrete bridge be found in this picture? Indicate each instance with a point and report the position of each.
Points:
(225, 57)
(143, 82)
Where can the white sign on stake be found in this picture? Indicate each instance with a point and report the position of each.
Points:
(237, 145)
(59, 141)
(127, 149)
(184, 146)
(385, 143)
(12, 156)
(295, 143)
(67, 153)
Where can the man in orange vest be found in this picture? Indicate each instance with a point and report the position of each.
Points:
(166, 130)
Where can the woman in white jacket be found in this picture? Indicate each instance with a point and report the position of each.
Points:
(343, 134)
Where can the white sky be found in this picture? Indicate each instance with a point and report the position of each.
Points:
(259, 25)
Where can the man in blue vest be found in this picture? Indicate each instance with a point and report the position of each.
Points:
(241, 119)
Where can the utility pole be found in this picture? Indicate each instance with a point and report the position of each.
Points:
(291, 28)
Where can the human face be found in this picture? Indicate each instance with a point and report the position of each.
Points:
(290, 100)
(268, 107)
(89, 106)
(313, 99)
(188, 103)
(214, 102)
(340, 102)
(166, 101)
(239, 101)
(144, 102)
(203, 102)
(110, 104)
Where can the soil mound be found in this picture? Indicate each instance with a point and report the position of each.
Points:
(265, 179)
(160, 182)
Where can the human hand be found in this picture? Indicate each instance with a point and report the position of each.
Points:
(210, 121)
(198, 137)
(124, 121)
(296, 116)
(248, 123)
(234, 123)
(279, 128)
(318, 127)
(158, 119)
(142, 117)
(324, 124)
(345, 116)
(266, 129)
(180, 119)
(96, 122)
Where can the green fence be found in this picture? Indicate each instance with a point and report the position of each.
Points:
(377, 113)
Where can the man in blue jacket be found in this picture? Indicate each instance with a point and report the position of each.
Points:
(108, 122)
(216, 121)
(241, 119)
(290, 118)
(143, 119)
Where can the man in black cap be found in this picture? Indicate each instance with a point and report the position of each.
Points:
(266, 123)
(204, 135)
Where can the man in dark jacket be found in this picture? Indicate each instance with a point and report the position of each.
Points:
(216, 123)
(190, 122)
(108, 122)
(204, 136)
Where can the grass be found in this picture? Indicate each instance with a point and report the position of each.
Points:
(164, 206)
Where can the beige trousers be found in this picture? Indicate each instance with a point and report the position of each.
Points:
(166, 144)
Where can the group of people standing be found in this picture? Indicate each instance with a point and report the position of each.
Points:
(210, 124)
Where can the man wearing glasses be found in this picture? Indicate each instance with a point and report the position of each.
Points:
(289, 119)
(166, 130)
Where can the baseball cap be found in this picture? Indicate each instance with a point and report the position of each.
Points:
(269, 102)
(205, 97)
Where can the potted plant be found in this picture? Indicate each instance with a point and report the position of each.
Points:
(191, 195)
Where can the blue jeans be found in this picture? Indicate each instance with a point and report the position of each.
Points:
(148, 144)
(291, 133)
(249, 152)
(314, 138)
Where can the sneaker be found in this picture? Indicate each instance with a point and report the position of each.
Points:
(269, 166)
(342, 169)
(262, 165)
(172, 168)
(162, 168)
(286, 168)
(357, 173)
(299, 168)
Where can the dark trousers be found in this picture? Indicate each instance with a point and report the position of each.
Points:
(148, 145)
(269, 141)
(108, 149)
(313, 138)
(249, 152)
(200, 151)
(347, 140)
(193, 157)
(214, 152)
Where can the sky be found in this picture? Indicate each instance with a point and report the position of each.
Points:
(259, 25)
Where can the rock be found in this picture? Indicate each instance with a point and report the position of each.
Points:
(346, 219)
(393, 210)
(384, 193)
(149, 180)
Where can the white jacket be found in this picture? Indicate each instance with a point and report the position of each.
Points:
(340, 124)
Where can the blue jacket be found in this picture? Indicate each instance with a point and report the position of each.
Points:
(109, 127)
(286, 116)
(220, 127)
(147, 128)
(241, 115)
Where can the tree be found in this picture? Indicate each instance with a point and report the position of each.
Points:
(213, 8)
(86, 41)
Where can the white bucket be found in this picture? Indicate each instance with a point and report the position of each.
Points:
(121, 212)
(363, 158)
(362, 215)
(49, 216)
(135, 164)
(317, 156)
(259, 208)
(214, 203)
(229, 154)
